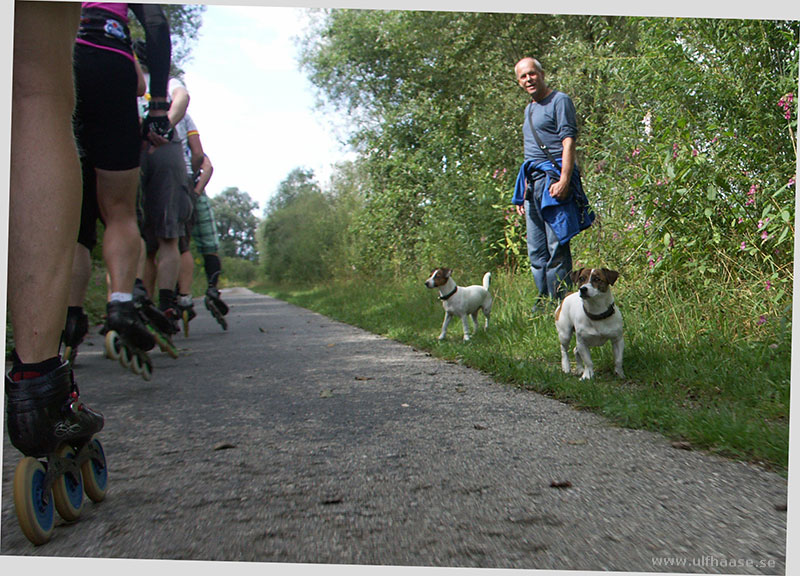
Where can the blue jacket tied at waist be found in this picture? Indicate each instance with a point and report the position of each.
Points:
(568, 217)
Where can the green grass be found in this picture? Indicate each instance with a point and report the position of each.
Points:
(693, 372)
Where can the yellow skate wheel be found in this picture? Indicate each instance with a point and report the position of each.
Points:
(95, 472)
(35, 511)
(113, 345)
(68, 489)
(125, 357)
(136, 364)
(185, 317)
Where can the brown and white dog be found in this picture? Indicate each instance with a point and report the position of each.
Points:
(590, 313)
(461, 301)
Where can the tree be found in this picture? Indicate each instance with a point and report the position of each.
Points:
(236, 223)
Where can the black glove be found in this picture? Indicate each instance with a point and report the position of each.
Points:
(159, 125)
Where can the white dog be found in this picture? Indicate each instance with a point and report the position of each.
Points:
(461, 301)
(591, 314)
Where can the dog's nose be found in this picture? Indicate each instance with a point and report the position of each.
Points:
(584, 291)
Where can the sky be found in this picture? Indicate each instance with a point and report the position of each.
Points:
(255, 110)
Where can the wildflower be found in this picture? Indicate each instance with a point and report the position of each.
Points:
(674, 150)
(751, 195)
(636, 152)
(791, 182)
(765, 235)
(743, 246)
(761, 320)
(694, 152)
(768, 285)
(763, 223)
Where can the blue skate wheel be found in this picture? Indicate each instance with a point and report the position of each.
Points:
(95, 472)
(68, 489)
(33, 502)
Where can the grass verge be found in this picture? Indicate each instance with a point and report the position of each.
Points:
(690, 376)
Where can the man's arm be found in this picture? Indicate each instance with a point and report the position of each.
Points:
(560, 190)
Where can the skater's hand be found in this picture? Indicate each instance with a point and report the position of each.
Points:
(157, 130)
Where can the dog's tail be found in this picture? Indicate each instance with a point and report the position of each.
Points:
(487, 279)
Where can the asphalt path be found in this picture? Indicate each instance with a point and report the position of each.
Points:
(292, 438)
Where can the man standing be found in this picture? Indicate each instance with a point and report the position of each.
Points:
(548, 179)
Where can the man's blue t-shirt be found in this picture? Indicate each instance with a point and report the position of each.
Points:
(554, 118)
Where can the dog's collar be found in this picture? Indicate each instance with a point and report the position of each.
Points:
(446, 296)
(602, 316)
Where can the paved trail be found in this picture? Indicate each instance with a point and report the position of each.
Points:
(294, 438)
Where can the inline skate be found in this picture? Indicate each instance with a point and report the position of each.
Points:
(62, 460)
(160, 326)
(214, 303)
(129, 338)
(75, 330)
(186, 309)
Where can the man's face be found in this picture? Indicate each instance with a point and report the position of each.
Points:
(530, 79)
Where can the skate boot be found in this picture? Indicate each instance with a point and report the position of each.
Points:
(159, 325)
(128, 338)
(54, 430)
(76, 329)
(214, 303)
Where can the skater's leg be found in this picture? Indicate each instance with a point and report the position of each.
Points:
(81, 275)
(45, 185)
(116, 195)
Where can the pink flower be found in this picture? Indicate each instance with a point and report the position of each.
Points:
(743, 246)
(761, 320)
(764, 235)
(694, 152)
(769, 285)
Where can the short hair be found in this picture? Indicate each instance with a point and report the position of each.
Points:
(536, 63)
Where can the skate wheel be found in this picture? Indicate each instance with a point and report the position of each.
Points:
(35, 511)
(223, 322)
(136, 364)
(125, 357)
(68, 489)
(147, 369)
(113, 345)
(70, 354)
(95, 473)
(185, 317)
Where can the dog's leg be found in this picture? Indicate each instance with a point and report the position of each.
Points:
(465, 323)
(583, 359)
(618, 346)
(447, 317)
(487, 311)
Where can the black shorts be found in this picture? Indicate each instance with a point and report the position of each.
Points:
(106, 120)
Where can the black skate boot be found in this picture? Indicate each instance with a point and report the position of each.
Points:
(75, 330)
(128, 337)
(214, 303)
(157, 323)
(46, 419)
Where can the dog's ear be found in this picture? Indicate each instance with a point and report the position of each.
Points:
(447, 272)
(575, 275)
(611, 275)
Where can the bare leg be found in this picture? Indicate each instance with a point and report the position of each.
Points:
(45, 185)
(186, 275)
(81, 275)
(116, 196)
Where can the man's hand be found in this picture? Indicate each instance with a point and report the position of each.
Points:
(560, 190)
(520, 209)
